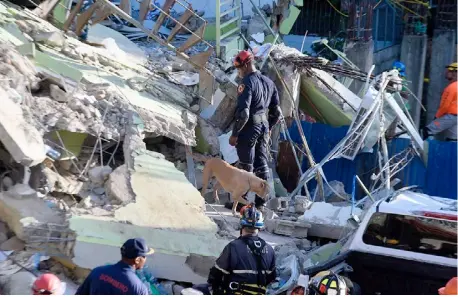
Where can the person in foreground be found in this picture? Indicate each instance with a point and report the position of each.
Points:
(120, 278)
(247, 264)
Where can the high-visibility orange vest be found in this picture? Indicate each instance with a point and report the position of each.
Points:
(448, 103)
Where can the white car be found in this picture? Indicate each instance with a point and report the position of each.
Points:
(405, 244)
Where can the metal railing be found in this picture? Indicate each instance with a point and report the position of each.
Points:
(237, 18)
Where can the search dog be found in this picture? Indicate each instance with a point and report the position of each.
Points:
(233, 180)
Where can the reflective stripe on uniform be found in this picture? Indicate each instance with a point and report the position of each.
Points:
(221, 269)
(249, 289)
(251, 271)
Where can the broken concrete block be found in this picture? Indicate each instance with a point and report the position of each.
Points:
(21, 139)
(12, 244)
(301, 204)
(98, 175)
(281, 227)
(278, 203)
(19, 284)
(57, 93)
(60, 184)
(118, 188)
(19, 214)
(274, 203)
(56, 38)
(301, 229)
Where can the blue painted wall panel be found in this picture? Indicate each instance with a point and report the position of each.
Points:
(439, 178)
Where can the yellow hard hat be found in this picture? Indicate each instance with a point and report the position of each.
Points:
(452, 67)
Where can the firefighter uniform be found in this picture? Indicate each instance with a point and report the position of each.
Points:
(256, 113)
(245, 267)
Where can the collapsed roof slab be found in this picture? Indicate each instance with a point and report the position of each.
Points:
(22, 213)
(22, 140)
(168, 212)
(162, 113)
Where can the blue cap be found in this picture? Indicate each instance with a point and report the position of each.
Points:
(135, 247)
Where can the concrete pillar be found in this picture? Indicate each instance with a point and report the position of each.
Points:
(413, 55)
(360, 53)
(443, 52)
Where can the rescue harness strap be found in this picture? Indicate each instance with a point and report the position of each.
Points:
(257, 252)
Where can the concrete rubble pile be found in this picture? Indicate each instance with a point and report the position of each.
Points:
(59, 89)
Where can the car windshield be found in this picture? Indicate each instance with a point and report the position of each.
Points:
(415, 234)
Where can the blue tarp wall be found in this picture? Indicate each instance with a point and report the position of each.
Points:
(437, 178)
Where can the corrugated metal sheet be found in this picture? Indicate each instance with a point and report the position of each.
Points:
(441, 173)
(439, 178)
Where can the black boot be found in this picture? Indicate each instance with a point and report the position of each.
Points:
(259, 202)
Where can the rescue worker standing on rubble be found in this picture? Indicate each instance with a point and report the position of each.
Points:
(257, 112)
(446, 119)
(247, 264)
(120, 278)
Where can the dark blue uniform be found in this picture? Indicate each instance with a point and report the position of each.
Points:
(246, 266)
(256, 113)
(117, 279)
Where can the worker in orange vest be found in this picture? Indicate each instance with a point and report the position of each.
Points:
(450, 288)
(446, 119)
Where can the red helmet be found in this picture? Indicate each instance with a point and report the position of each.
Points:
(450, 288)
(243, 58)
(46, 284)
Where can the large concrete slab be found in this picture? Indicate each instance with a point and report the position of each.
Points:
(168, 212)
(22, 140)
(21, 213)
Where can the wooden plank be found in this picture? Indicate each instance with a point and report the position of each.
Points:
(126, 6)
(206, 86)
(183, 20)
(45, 7)
(201, 58)
(101, 14)
(144, 8)
(160, 20)
(84, 18)
(72, 15)
(193, 39)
